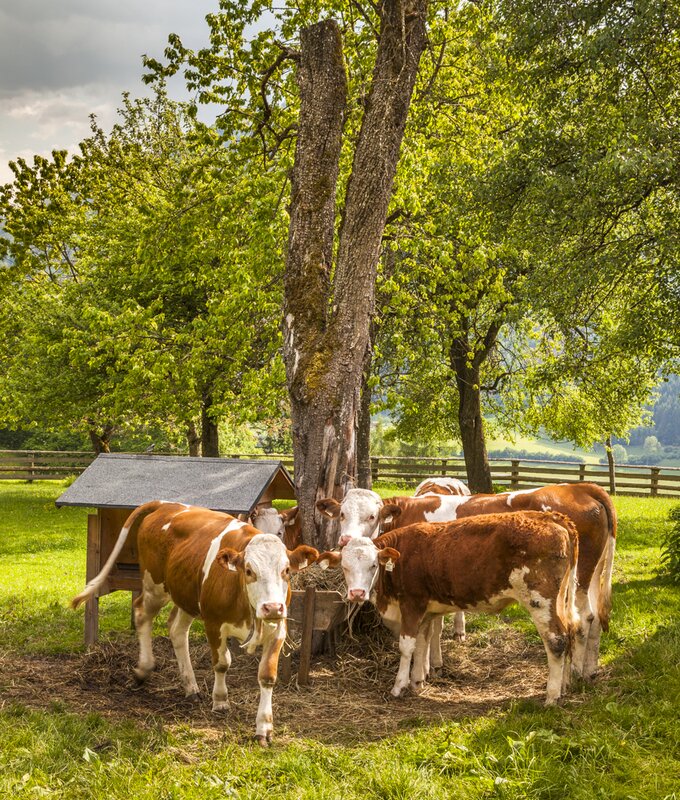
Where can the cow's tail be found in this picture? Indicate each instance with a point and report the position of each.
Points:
(93, 587)
(602, 577)
(566, 597)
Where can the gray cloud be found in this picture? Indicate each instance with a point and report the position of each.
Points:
(59, 62)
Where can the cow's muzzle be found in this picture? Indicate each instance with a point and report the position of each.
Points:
(356, 595)
(273, 611)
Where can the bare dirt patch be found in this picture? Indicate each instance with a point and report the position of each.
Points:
(347, 700)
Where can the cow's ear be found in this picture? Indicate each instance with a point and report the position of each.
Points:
(389, 512)
(387, 556)
(331, 558)
(329, 507)
(230, 559)
(289, 515)
(302, 557)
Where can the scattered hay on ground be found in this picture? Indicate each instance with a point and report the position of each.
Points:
(347, 700)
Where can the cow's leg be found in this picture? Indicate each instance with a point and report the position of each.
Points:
(582, 632)
(410, 624)
(555, 640)
(273, 639)
(421, 654)
(146, 608)
(459, 626)
(178, 629)
(436, 660)
(218, 638)
(592, 655)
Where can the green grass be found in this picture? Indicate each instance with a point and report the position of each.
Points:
(618, 739)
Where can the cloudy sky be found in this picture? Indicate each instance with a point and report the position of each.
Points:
(62, 61)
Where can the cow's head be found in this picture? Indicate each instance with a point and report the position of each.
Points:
(266, 566)
(360, 560)
(268, 520)
(360, 514)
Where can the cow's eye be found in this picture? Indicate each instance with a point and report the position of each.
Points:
(249, 573)
(371, 518)
(342, 517)
(286, 572)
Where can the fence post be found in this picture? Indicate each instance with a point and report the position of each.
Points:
(375, 467)
(444, 462)
(654, 487)
(514, 473)
(582, 472)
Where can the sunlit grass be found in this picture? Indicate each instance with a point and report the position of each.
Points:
(619, 739)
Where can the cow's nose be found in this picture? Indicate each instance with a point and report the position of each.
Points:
(355, 595)
(273, 609)
(342, 541)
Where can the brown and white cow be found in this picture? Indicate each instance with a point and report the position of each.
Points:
(441, 485)
(587, 504)
(480, 564)
(285, 524)
(218, 569)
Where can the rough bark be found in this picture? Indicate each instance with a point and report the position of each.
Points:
(364, 476)
(611, 465)
(210, 443)
(467, 370)
(326, 328)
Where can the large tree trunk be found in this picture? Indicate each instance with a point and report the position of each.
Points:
(326, 329)
(472, 433)
(466, 362)
(210, 443)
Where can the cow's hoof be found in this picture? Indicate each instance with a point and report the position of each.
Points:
(458, 637)
(193, 697)
(396, 694)
(140, 675)
(264, 741)
(417, 686)
(435, 672)
(220, 706)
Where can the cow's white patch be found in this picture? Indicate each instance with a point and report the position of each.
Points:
(407, 644)
(448, 508)
(166, 526)
(211, 555)
(512, 495)
(544, 507)
(454, 485)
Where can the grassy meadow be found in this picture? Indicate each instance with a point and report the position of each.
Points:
(619, 738)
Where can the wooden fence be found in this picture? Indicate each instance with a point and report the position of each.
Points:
(408, 471)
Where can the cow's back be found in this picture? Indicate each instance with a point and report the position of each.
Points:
(176, 544)
(468, 562)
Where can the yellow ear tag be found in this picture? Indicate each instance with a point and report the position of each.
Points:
(232, 567)
(389, 566)
(302, 564)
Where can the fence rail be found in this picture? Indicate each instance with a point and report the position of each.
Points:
(32, 465)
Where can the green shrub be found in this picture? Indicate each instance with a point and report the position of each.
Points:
(670, 548)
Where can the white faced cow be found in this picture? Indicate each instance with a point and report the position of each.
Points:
(588, 505)
(220, 570)
(285, 524)
(482, 564)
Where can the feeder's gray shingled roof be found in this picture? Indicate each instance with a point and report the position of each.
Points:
(121, 480)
